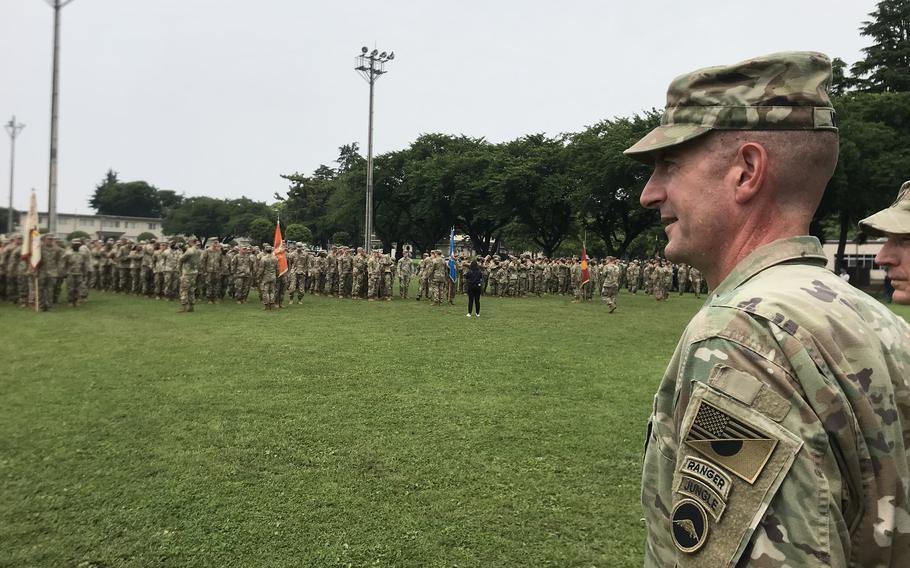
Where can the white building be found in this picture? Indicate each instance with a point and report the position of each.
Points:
(101, 226)
(859, 260)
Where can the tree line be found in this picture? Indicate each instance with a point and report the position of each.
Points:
(547, 193)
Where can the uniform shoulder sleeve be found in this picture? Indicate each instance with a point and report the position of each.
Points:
(755, 482)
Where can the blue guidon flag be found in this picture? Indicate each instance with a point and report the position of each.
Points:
(453, 272)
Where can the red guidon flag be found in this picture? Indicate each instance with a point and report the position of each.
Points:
(585, 276)
(279, 250)
(31, 237)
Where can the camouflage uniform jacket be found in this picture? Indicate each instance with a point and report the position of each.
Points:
(170, 258)
(189, 262)
(404, 266)
(781, 430)
(242, 265)
(73, 262)
(611, 273)
(268, 268)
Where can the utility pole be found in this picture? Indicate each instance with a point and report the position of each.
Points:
(370, 65)
(13, 128)
(57, 5)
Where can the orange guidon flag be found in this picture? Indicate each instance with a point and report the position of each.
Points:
(584, 266)
(279, 250)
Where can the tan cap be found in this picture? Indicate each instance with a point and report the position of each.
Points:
(894, 220)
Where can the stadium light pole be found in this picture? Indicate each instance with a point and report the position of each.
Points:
(370, 65)
(13, 128)
(57, 5)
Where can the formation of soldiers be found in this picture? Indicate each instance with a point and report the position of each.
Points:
(523, 276)
(177, 270)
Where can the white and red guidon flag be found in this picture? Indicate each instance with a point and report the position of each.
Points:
(31, 237)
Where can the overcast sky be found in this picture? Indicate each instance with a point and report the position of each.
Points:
(220, 97)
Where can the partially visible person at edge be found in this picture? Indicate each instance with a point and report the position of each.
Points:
(474, 285)
(779, 431)
(894, 224)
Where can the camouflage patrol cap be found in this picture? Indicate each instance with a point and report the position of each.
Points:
(780, 91)
(894, 220)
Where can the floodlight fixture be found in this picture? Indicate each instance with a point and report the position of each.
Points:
(371, 66)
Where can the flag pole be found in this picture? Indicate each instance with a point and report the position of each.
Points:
(37, 292)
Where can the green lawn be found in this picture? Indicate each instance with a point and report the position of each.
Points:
(337, 433)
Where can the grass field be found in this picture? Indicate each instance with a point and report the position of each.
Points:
(337, 433)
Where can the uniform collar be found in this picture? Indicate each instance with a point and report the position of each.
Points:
(804, 249)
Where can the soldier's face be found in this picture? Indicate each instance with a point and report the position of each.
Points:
(896, 256)
(686, 187)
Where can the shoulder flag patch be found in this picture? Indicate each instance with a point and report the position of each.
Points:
(729, 442)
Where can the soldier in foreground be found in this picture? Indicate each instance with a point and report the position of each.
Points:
(188, 267)
(268, 278)
(404, 274)
(894, 223)
(610, 287)
(75, 266)
(779, 432)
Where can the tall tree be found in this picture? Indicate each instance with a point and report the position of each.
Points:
(536, 180)
(207, 217)
(886, 65)
(608, 184)
(874, 158)
(133, 199)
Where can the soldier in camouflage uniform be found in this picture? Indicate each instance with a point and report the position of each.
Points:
(55, 277)
(17, 268)
(188, 267)
(610, 287)
(345, 273)
(146, 268)
(423, 278)
(682, 277)
(268, 277)
(296, 277)
(211, 266)
(358, 273)
(695, 280)
(75, 266)
(374, 276)
(171, 284)
(493, 275)
(780, 432)
(158, 269)
(4, 248)
(41, 285)
(633, 275)
(404, 274)
(385, 277)
(439, 277)
(242, 271)
(135, 259)
(894, 223)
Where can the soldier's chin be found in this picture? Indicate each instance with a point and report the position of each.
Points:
(901, 293)
(673, 254)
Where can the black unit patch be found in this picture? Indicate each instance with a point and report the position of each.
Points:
(689, 525)
(729, 442)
